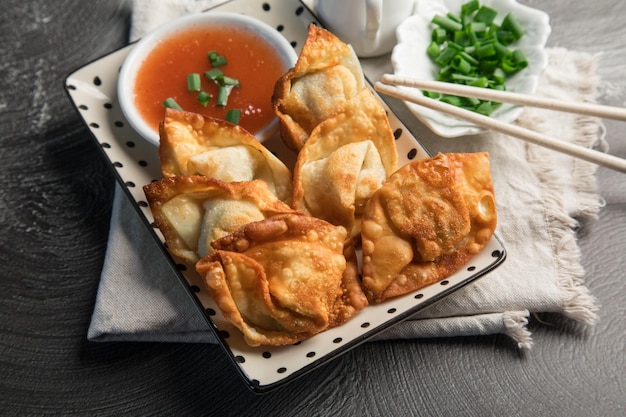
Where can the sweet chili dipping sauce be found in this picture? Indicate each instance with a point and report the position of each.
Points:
(251, 60)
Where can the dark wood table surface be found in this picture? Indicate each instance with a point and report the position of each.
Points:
(55, 203)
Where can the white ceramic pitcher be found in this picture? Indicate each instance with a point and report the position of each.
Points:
(368, 25)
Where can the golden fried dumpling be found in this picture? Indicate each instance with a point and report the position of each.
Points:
(192, 211)
(326, 76)
(346, 159)
(426, 222)
(192, 144)
(284, 279)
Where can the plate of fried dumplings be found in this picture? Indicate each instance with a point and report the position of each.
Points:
(300, 248)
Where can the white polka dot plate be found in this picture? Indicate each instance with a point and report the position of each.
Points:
(92, 90)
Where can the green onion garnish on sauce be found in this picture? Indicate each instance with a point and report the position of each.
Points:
(171, 104)
(233, 116)
(224, 80)
(204, 98)
(213, 74)
(471, 49)
(193, 82)
(225, 86)
(222, 95)
(216, 59)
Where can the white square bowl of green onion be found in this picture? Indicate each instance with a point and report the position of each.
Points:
(496, 44)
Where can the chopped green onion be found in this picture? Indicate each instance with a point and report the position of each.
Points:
(455, 46)
(471, 49)
(501, 50)
(508, 64)
(488, 66)
(433, 50)
(204, 98)
(216, 59)
(471, 102)
(511, 25)
(446, 56)
(476, 27)
(469, 58)
(233, 116)
(224, 80)
(460, 64)
(505, 37)
(222, 95)
(499, 75)
(432, 94)
(445, 73)
(461, 38)
(484, 51)
(482, 82)
(453, 17)
(220, 61)
(446, 23)
(454, 100)
(485, 14)
(472, 38)
(520, 58)
(214, 74)
(463, 78)
(225, 85)
(469, 7)
(193, 82)
(171, 104)
(486, 108)
(514, 61)
(439, 35)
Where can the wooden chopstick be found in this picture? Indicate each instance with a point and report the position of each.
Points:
(588, 109)
(577, 151)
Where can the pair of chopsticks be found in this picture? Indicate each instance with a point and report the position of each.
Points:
(391, 85)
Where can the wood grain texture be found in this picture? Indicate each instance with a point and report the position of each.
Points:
(55, 202)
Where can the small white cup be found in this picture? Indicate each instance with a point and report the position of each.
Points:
(143, 48)
(369, 26)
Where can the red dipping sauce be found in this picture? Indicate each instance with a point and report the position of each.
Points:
(251, 60)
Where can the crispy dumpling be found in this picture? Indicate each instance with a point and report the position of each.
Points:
(193, 211)
(192, 144)
(284, 279)
(426, 221)
(325, 78)
(346, 159)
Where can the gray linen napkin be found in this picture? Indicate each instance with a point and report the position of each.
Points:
(541, 197)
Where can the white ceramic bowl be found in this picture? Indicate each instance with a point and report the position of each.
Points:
(414, 35)
(132, 63)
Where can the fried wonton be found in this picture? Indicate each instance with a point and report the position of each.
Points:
(193, 211)
(284, 279)
(325, 78)
(192, 144)
(346, 159)
(426, 221)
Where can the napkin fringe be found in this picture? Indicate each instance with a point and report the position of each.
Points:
(592, 135)
(578, 303)
(515, 323)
